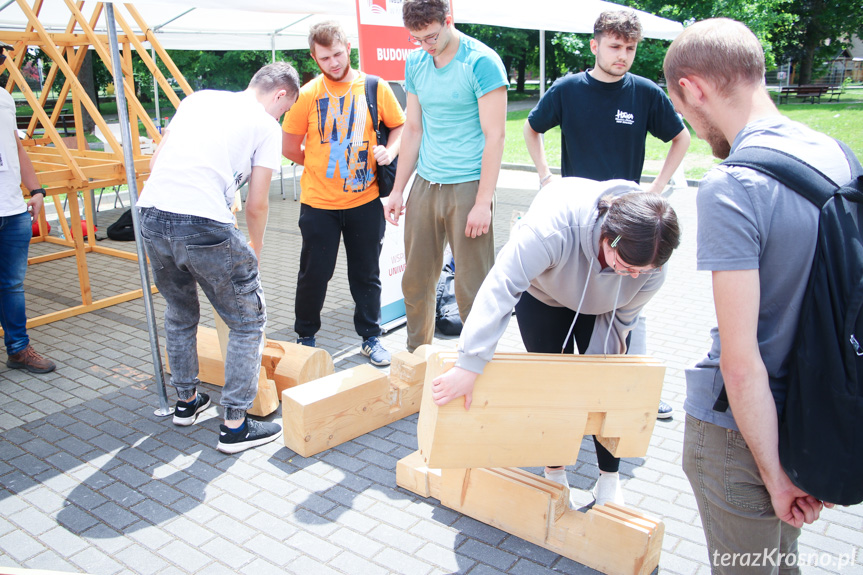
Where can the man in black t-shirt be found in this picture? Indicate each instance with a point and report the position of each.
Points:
(606, 113)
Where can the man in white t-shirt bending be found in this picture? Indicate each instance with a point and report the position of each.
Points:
(216, 142)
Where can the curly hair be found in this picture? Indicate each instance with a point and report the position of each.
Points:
(621, 23)
(417, 14)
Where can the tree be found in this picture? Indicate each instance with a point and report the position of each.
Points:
(516, 47)
(763, 17)
(820, 28)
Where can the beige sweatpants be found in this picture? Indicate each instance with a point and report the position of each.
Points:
(435, 214)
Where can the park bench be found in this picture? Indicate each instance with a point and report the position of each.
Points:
(834, 92)
(64, 121)
(809, 92)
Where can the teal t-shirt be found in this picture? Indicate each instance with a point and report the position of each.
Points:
(452, 141)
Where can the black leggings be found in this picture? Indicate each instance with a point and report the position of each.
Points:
(543, 329)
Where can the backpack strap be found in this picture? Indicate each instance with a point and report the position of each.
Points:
(372, 101)
(797, 175)
(792, 171)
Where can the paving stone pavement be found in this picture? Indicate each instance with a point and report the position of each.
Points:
(91, 481)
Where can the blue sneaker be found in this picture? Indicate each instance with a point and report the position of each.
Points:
(307, 341)
(665, 411)
(374, 350)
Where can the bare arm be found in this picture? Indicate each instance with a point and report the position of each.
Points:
(492, 119)
(386, 155)
(293, 149)
(679, 145)
(411, 136)
(257, 206)
(737, 295)
(29, 179)
(536, 149)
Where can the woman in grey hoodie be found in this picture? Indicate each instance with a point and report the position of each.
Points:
(580, 266)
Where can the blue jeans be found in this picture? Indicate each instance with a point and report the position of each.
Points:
(15, 234)
(742, 531)
(185, 252)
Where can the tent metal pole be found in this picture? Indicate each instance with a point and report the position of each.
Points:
(126, 135)
(541, 63)
(156, 92)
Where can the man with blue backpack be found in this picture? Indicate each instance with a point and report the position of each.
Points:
(760, 229)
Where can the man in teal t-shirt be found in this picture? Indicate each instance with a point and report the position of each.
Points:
(454, 134)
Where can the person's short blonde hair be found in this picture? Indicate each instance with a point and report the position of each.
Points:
(722, 51)
(326, 34)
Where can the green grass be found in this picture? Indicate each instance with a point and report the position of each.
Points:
(843, 121)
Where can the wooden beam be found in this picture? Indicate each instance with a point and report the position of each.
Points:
(135, 106)
(288, 364)
(266, 400)
(148, 61)
(157, 46)
(523, 405)
(329, 411)
(609, 538)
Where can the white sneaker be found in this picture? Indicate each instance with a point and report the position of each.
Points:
(607, 489)
(559, 476)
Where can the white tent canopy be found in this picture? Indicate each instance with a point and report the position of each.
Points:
(284, 24)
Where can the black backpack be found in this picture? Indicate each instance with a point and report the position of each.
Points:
(386, 174)
(821, 430)
(122, 230)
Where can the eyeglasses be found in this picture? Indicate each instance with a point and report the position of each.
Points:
(629, 271)
(430, 40)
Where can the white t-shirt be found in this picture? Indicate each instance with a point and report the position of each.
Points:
(11, 199)
(213, 142)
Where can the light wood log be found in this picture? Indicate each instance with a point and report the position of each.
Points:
(532, 411)
(297, 364)
(610, 538)
(287, 364)
(266, 399)
(329, 411)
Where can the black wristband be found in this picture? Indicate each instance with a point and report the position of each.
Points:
(38, 191)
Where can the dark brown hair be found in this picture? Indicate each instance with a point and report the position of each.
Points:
(647, 226)
(417, 14)
(620, 23)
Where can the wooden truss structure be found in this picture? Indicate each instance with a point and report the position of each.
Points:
(531, 410)
(67, 166)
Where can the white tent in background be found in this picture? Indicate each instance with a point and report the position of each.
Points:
(284, 24)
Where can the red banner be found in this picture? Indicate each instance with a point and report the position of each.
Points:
(384, 41)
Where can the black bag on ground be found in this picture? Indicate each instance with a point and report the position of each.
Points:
(821, 430)
(122, 230)
(386, 174)
(447, 319)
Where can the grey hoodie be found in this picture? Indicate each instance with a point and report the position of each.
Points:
(553, 255)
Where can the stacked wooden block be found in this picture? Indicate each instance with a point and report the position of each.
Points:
(532, 410)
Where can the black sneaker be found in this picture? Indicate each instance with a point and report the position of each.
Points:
(252, 434)
(187, 412)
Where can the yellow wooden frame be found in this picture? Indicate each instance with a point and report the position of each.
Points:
(62, 170)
